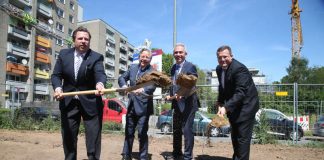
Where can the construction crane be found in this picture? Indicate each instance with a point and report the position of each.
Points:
(296, 30)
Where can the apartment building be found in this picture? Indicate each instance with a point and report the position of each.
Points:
(32, 32)
(117, 51)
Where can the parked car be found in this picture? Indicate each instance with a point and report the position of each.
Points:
(113, 110)
(201, 122)
(279, 124)
(318, 129)
(37, 113)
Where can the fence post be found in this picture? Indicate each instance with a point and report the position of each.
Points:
(295, 123)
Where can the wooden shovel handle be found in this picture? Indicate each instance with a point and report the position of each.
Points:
(87, 92)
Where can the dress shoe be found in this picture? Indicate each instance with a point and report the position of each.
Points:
(127, 157)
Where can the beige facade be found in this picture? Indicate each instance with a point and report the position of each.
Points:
(117, 51)
(32, 34)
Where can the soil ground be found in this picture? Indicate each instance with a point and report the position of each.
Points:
(30, 145)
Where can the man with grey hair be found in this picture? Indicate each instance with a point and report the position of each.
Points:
(184, 107)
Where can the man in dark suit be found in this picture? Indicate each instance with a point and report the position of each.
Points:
(238, 98)
(140, 107)
(184, 107)
(79, 69)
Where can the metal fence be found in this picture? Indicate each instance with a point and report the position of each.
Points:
(302, 103)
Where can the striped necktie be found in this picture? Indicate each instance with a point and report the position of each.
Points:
(77, 64)
(223, 78)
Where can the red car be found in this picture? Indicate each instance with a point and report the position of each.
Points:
(113, 110)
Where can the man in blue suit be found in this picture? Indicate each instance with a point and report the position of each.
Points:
(139, 107)
(79, 69)
(184, 107)
(238, 98)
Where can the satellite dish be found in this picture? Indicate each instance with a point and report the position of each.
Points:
(24, 61)
(50, 21)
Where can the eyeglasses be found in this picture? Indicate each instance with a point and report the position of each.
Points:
(178, 52)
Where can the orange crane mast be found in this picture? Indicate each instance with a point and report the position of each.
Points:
(296, 30)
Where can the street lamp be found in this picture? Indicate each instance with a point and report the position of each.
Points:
(174, 23)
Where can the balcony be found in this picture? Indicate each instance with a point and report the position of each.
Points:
(41, 89)
(45, 10)
(123, 57)
(110, 61)
(123, 47)
(43, 74)
(19, 32)
(110, 50)
(111, 39)
(44, 27)
(42, 58)
(17, 85)
(18, 50)
(42, 41)
(122, 67)
(17, 68)
(22, 3)
(110, 73)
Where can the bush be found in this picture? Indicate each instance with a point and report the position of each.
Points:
(111, 126)
(5, 119)
(260, 132)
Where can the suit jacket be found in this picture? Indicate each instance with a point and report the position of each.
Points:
(185, 104)
(141, 104)
(240, 96)
(90, 73)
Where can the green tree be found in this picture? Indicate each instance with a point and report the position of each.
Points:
(316, 75)
(167, 62)
(297, 71)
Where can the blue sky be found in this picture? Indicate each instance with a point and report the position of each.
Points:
(259, 31)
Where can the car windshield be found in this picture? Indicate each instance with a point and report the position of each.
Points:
(275, 115)
(203, 115)
(321, 119)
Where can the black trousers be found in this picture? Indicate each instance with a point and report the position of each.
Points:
(241, 139)
(141, 122)
(70, 120)
(183, 125)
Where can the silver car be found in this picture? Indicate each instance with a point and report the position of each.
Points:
(319, 127)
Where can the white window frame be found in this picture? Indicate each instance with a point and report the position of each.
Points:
(62, 2)
(59, 42)
(72, 21)
(58, 11)
(58, 27)
(72, 4)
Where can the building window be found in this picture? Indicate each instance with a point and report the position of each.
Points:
(59, 27)
(60, 12)
(62, 1)
(70, 32)
(72, 6)
(59, 42)
(71, 19)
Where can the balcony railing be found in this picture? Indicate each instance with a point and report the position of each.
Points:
(110, 50)
(42, 58)
(110, 73)
(123, 47)
(42, 41)
(41, 89)
(17, 86)
(110, 61)
(43, 74)
(123, 57)
(111, 39)
(17, 68)
(17, 50)
(122, 67)
(45, 10)
(18, 32)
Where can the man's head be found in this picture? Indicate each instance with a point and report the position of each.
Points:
(224, 56)
(81, 38)
(179, 53)
(145, 57)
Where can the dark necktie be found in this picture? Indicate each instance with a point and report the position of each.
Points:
(223, 78)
